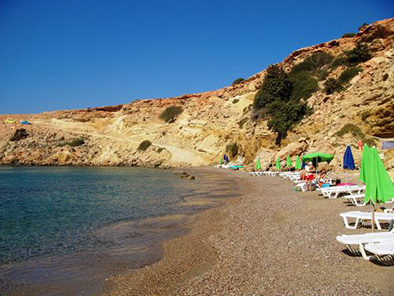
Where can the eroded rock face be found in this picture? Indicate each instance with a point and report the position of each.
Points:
(212, 120)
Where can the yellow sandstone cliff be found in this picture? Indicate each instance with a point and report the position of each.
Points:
(212, 120)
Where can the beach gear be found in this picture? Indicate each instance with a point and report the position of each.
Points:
(9, 120)
(356, 199)
(277, 165)
(360, 216)
(348, 161)
(379, 187)
(25, 122)
(317, 157)
(383, 251)
(360, 240)
(288, 161)
(334, 192)
(298, 163)
(373, 174)
(258, 164)
(320, 157)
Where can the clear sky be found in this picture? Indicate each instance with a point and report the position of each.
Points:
(77, 54)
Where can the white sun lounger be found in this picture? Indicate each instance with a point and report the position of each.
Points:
(361, 239)
(334, 192)
(360, 216)
(383, 251)
(356, 199)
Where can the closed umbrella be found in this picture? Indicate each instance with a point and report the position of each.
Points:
(360, 147)
(298, 165)
(220, 161)
(348, 161)
(288, 161)
(277, 164)
(258, 164)
(378, 185)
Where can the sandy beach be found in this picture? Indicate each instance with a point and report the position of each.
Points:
(269, 241)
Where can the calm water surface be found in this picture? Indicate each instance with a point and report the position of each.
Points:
(66, 229)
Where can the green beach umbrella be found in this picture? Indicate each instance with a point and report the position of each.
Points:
(298, 165)
(288, 161)
(220, 160)
(364, 161)
(378, 185)
(318, 156)
(258, 164)
(277, 164)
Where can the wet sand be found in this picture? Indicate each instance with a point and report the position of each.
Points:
(269, 241)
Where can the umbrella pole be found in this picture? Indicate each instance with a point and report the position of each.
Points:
(373, 217)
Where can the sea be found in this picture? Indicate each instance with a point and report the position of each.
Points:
(65, 230)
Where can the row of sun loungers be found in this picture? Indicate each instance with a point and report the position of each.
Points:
(371, 246)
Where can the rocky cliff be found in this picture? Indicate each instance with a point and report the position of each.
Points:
(210, 121)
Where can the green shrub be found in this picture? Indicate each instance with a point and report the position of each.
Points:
(144, 145)
(357, 55)
(313, 63)
(365, 115)
(351, 128)
(242, 122)
(370, 142)
(348, 74)
(322, 74)
(237, 81)
(363, 26)
(235, 101)
(232, 149)
(304, 85)
(348, 35)
(76, 142)
(339, 61)
(169, 115)
(332, 85)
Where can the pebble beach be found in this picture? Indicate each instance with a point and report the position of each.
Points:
(269, 241)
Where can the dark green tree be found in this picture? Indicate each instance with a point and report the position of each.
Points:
(274, 99)
(276, 87)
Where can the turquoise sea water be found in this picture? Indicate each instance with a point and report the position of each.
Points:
(72, 216)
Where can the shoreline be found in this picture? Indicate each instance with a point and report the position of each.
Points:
(141, 246)
(269, 241)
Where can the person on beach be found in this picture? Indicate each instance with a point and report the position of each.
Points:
(309, 170)
(322, 176)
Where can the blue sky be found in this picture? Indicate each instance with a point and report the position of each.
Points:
(77, 54)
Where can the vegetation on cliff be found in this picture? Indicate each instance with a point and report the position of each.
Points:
(144, 145)
(356, 132)
(348, 35)
(169, 115)
(73, 143)
(275, 100)
(238, 81)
